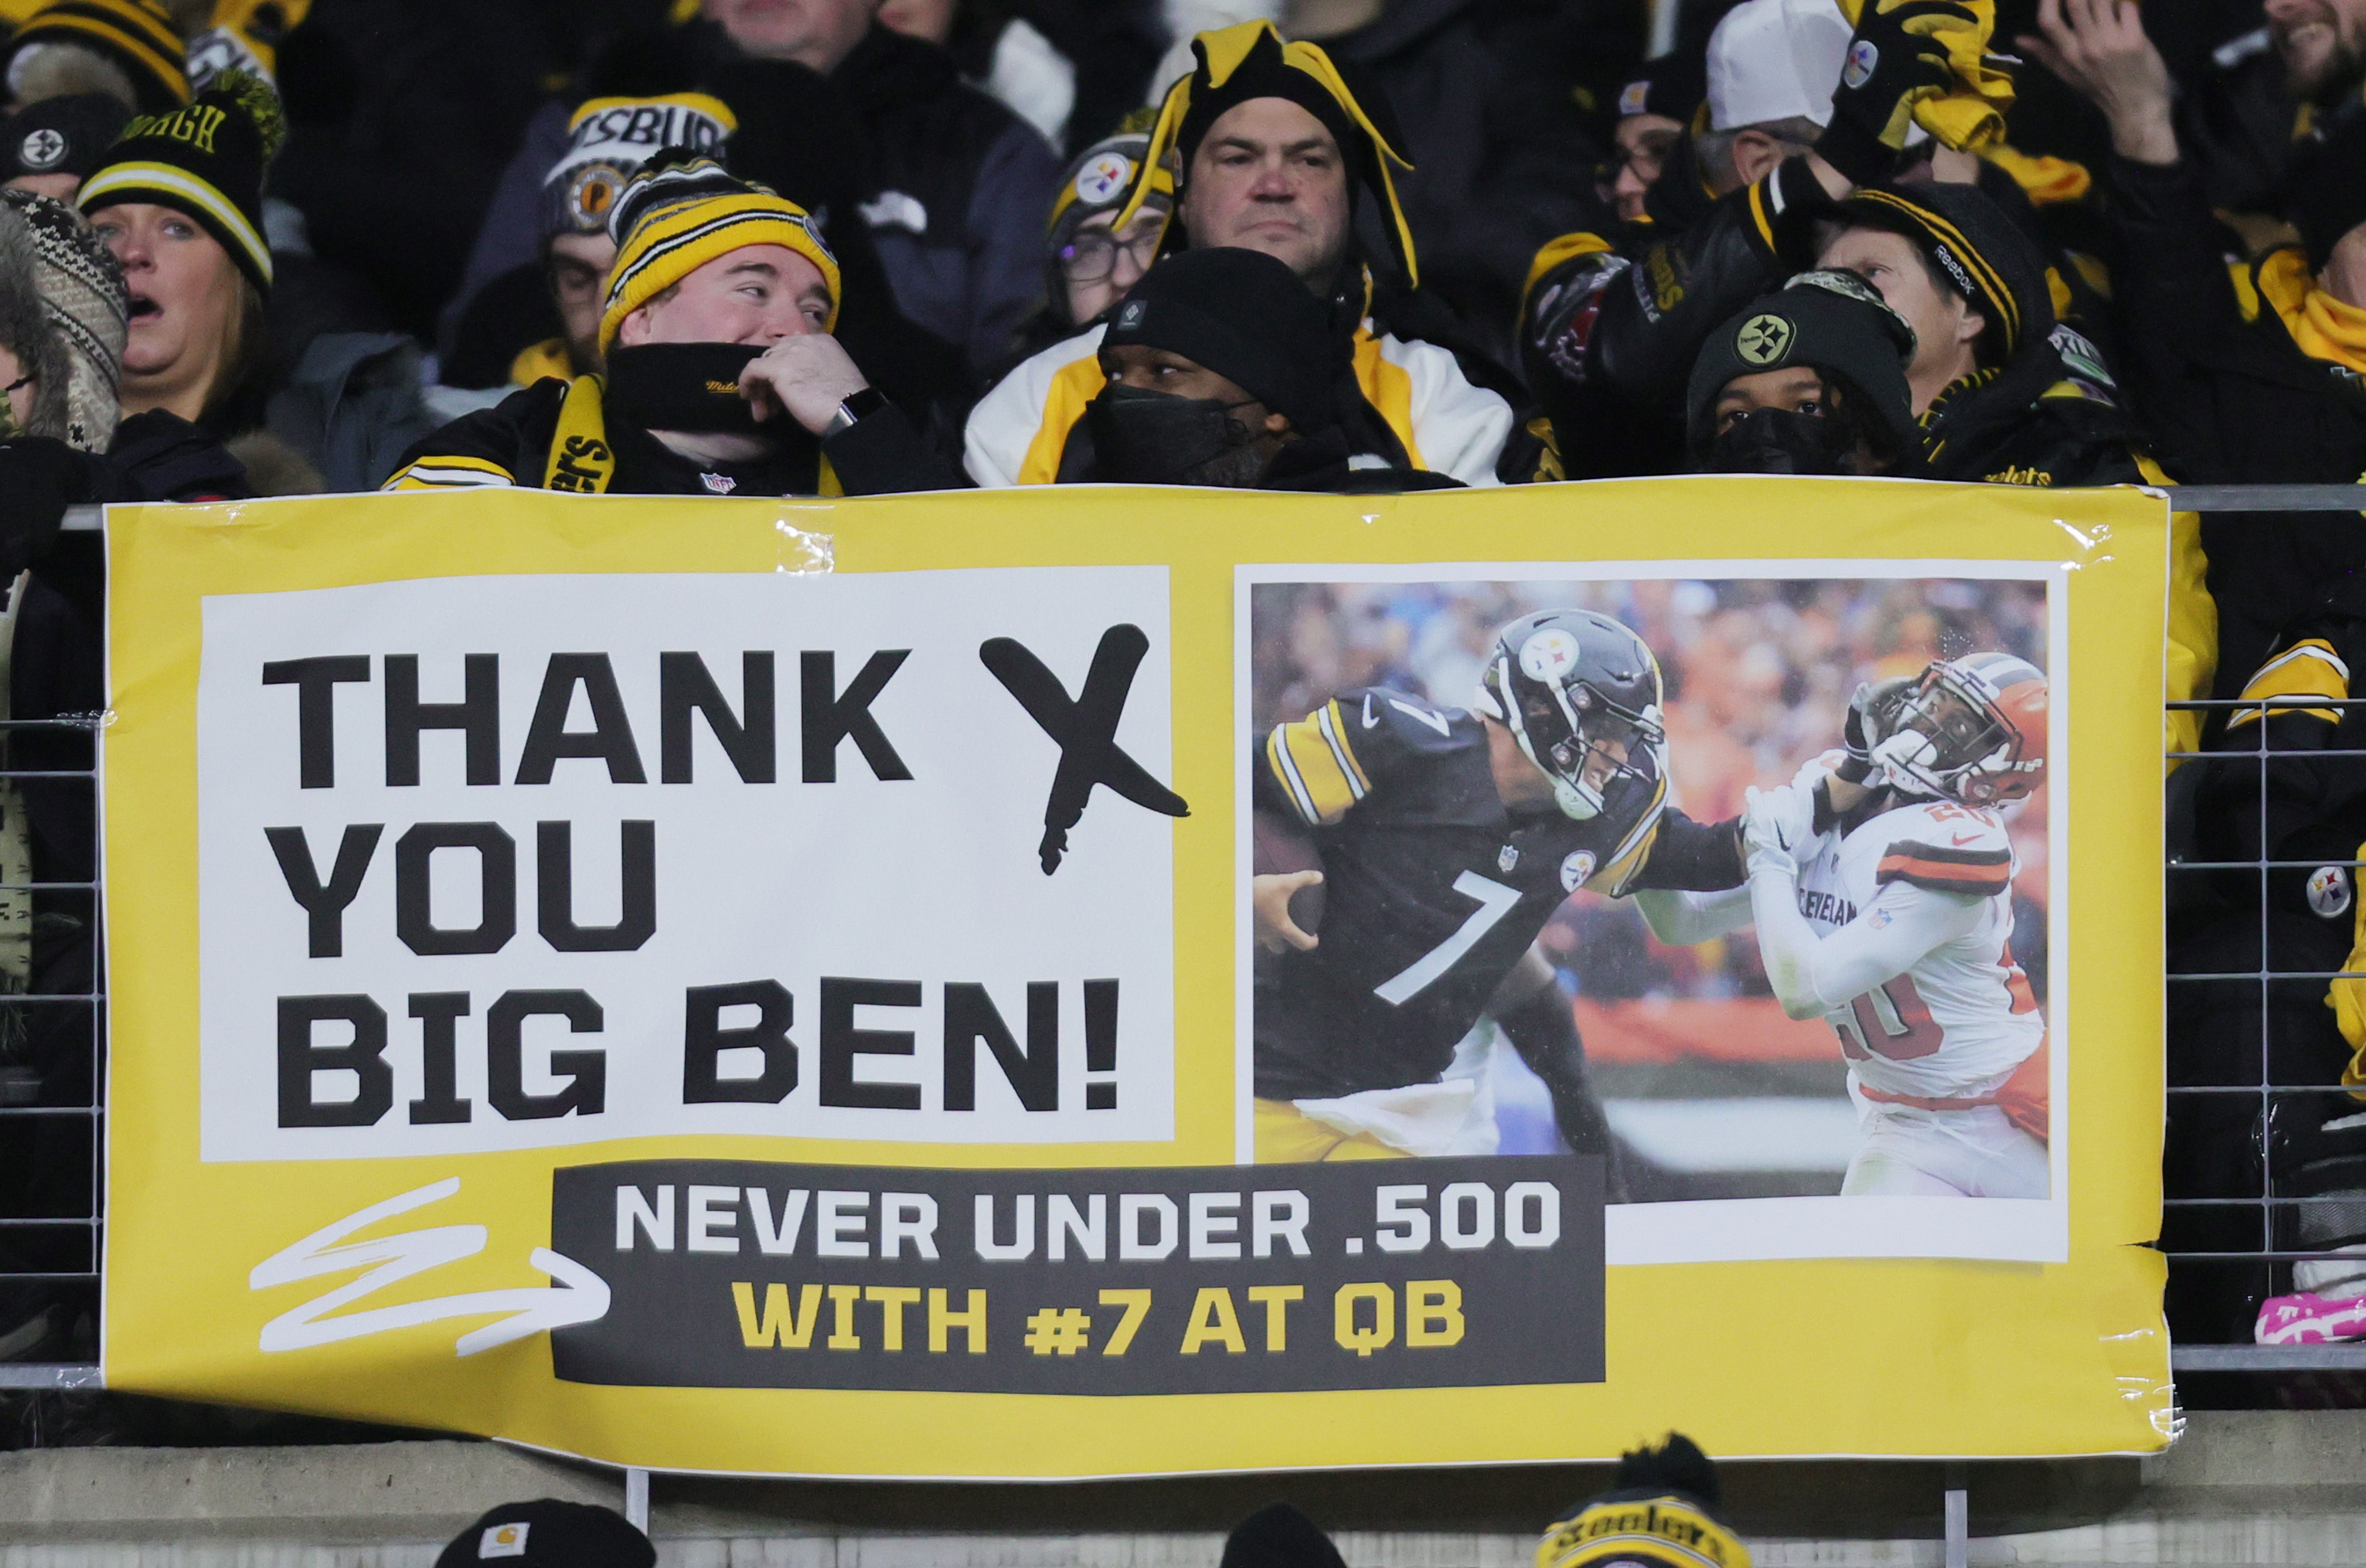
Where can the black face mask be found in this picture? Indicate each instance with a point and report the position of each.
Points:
(1777, 440)
(686, 386)
(1142, 437)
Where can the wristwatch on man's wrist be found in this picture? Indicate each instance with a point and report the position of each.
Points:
(858, 407)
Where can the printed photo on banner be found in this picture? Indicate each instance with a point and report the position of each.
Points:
(1741, 880)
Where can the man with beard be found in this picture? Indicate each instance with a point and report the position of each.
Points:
(723, 378)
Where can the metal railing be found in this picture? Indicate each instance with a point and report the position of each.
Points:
(51, 1259)
(2227, 1248)
(52, 1064)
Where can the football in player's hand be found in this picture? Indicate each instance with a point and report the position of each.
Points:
(1277, 852)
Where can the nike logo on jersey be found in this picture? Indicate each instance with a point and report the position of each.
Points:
(1435, 721)
(1371, 718)
(1961, 839)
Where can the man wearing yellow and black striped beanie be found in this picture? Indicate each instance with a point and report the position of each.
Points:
(722, 375)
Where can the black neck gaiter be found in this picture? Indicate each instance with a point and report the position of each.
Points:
(1142, 437)
(685, 387)
(1778, 441)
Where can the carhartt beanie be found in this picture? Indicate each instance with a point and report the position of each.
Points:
(208, 161)
(60, 136)
(132, 35)
(1831, 322)
(549, 1533)
(1673, 87)
(81, 289)
(1246, 316)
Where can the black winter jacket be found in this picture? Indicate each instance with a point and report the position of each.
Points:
(2230, 398)
(1612, 372)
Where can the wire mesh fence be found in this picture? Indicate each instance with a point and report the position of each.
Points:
(53, 1066)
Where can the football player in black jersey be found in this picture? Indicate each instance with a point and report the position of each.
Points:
(1442, 840)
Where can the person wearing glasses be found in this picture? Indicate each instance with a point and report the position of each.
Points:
(1655, 112)
(607, 139)
(1087, 264)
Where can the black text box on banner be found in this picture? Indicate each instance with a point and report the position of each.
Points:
(1370, 1274)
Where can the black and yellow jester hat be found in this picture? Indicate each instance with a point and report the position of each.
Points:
(1250, 60)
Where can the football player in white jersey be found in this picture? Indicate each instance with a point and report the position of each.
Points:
(1882, 893)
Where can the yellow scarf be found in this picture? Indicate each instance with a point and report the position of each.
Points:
(2324, 327)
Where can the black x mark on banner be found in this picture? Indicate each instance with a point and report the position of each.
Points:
(1085, 729)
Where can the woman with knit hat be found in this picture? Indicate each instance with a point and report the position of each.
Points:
(722, 375)
(180, 203)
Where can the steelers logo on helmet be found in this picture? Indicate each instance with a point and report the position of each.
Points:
(1548, 654)
(1763, 338)
(1581, 694)
(592, 190)
(1104, 179)
(1633, 96)
(41, 150)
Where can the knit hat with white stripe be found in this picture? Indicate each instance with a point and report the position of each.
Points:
(205, 160)
(680, 213)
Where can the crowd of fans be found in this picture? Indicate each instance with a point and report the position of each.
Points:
(845, 247)
(848, 247)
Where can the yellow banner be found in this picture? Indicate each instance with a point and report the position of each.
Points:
(1098, 981)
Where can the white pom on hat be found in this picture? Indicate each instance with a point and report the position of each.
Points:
(1776, 60)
